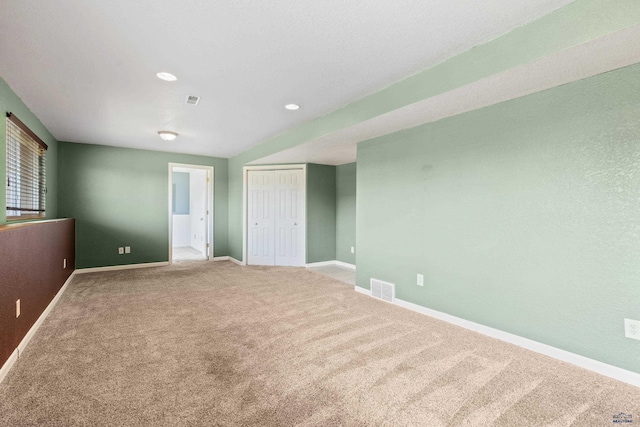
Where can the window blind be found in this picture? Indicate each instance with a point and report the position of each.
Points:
(26, 173)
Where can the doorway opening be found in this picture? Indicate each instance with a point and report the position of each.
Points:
(190, 213)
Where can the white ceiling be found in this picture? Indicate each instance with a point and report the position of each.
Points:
(607, 53)
(87, 68)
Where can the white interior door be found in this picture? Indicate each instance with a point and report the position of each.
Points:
(261, 218)
(289, 217)
(276, 217)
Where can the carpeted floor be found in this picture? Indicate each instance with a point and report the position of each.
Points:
(202, 344)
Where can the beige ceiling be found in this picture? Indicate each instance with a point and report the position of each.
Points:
(87, 68)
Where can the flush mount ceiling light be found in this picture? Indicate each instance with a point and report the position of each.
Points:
(166, 76)
(167, 135)
(292, 107)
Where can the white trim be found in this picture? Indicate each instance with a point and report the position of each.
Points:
(333, 262)
(8, 365)
(221, 258)
(121, 267)
(32, 331)
(320, 264)
(245, 171)
(598, 367)
(45, 313)
(275, 167)
(363, 291)
(235, 261)
(345, 264)
(210, 206)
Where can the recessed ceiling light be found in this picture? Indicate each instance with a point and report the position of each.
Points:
(166, 76)
(292, 106)
(167, 135)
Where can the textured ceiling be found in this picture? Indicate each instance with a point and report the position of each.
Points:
(87, 69)
(613, 51)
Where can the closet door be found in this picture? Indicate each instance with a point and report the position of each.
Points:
(261, 218)
(289, 218)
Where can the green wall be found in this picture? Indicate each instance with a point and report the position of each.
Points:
(576, 23)
(10, 102)
(181, 193)
(346, 212)
(119, 197)
(523, 216)
(321, 213)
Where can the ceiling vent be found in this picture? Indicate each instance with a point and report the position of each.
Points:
(383, 290)
(193, 100)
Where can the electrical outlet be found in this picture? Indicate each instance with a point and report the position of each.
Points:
(353, 250)
(420, 280)
(17, 308)
(632, 329)
(127, 249)
(64, 263)
(120, 250)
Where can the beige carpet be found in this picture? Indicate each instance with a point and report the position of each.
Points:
(218, 344)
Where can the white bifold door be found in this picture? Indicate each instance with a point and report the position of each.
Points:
(276, 217)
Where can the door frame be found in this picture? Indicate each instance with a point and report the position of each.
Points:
(210, 214)
(245, 205)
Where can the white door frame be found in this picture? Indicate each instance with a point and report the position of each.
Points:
(210, 194)
(245, 175)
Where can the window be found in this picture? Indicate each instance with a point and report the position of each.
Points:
(26, 179)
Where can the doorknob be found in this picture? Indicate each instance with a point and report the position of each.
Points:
(256, 223)
(295, 223)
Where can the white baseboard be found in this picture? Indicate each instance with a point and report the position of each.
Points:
(8, 364)
(221, 258)
(333, 262)
(362, 290)
(32, 331)
(320, 264)
(598, 367)
(121, 267)
(235, 261)
(345, 264)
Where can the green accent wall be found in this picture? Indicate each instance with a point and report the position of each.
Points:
(181, 192)
(321, 213)
(523, 216)
(346, 212)
(119, 197)
(576, 23)
(11, 103)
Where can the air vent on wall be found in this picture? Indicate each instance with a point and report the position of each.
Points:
(383, 290)
(193, 100)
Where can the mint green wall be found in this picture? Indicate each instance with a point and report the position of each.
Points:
(579, 22)
(321, 213)
(11, 103)
(523, 216)
(119, 197)
(346, 212)
(181, 192)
